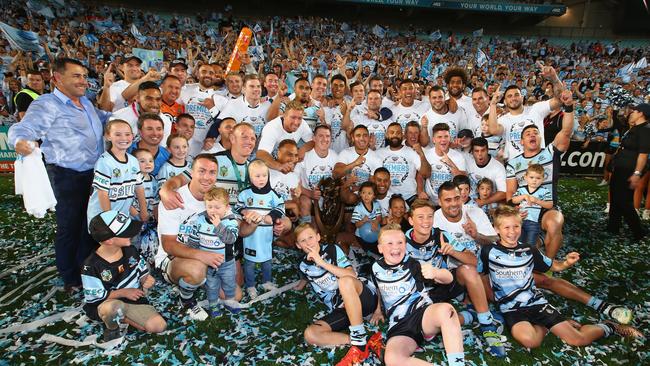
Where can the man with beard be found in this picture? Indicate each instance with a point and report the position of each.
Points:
(219, 79)
(317, 164)
(381, 178)
(248, 108)
(511, 124)
(440, 113)
(456, 81)
(203, 104)
(408, 108)
(302, 91)
(171, 93)
(334, 110)
(148, 101)
(358, 160)
(403, 163)
(445, 162)
(549, 157)
(290, 126)
(376, 128)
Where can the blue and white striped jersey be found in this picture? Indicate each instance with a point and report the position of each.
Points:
(168, 170)
(258, 246)
(119, 179)
(360, 211)
(151, 190)
(427, 251)
(510, 271)
(218, 239)
(549, 157)
(402, 288)
(533, 209)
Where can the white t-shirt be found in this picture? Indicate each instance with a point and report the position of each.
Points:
(384, 203)
(440, 172)
(130, 114)
(314, 168)
(170, 222)
(242, 111)
(453, 120)
(404, 115)
(474, 121)
(115, 92)
(273, 133)
(462, 241)
(513, 125)
(403, 165)
(375, 128)
(493, 170)
(193, 98)
(364, 171)
(283, 183)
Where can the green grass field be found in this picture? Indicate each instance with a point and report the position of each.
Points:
(613, 268)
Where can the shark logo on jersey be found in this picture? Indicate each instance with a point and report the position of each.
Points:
(223, 171)
(132, 262)
(117, 173)
(249, 201)
(261, 203)
(106, 275)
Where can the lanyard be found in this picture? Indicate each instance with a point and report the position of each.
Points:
(241, 184)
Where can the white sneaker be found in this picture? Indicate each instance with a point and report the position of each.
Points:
(603, 183)
(269, 286)
(606, 210)
(252, 293)
(197, 313)
(646, 215)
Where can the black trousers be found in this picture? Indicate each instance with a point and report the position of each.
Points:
(622, 204)
(73, 243)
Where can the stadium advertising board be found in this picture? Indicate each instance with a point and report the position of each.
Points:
(504, 7)
(588, 161)
(7, 154)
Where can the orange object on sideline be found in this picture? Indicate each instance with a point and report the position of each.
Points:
(241, 46)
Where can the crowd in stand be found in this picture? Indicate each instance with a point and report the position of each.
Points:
(445, 162)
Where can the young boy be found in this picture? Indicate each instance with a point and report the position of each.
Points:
(329, 272)
(115, 278)
(532, 199)
(262, 206)
(215, 230)
(412, 317)
(509, 265)
(465, 187)
(147, 241)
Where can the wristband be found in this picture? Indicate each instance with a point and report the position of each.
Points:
(637, 173)
(567, 108)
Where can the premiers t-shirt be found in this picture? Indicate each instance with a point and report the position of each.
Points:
(242, 111)
(453, 120)
(364, 171)
(493, 170)
(403, 165)
(273, 133)
(404, 115)
(440, 172)
(314, 168)
(514, 125)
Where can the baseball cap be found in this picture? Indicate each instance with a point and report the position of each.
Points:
(178, 62)
(465, 133)
(113, 224)
(129, 56)
(643, 108)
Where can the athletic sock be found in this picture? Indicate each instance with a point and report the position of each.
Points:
(468, 318)
(606, 328)
(456, 359)
(186, 289)
(595, 303)
(358, 335)
(485, 318)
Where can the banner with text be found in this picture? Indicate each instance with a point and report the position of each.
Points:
(504, 7)
(587, 161)
(7, 153)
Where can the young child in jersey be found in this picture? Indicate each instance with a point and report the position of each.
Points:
(215, 230)
(115, 278)
(177, 162)
(509, 265)
(484, 190)
(367, 212)
(349, 298)
(465, 187)
(532, 199)
(260, 205)
(412, 317)
(117, 179)
(397, 213)
(147, 241)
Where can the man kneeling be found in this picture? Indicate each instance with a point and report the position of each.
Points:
(349, 298)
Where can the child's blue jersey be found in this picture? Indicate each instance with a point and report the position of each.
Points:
(402, 288)
(151, 190)
(360, 211)
(533, 209)
(218, 239)
(118, 179)
(549, 157)
(168, 170)
(510, 271)
(429, 251)
(258, 246)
